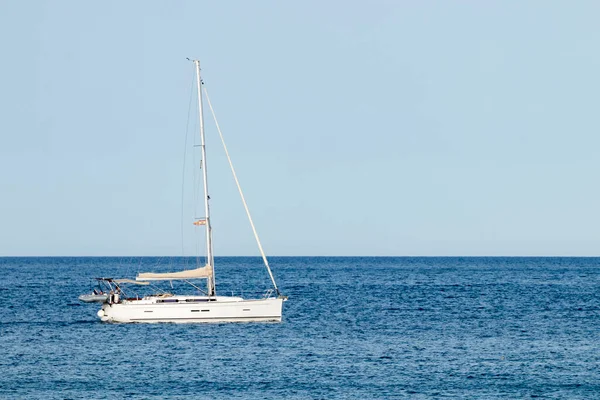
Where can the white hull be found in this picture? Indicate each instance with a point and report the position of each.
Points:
(187, 309)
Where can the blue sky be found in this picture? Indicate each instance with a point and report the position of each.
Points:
(357, 128)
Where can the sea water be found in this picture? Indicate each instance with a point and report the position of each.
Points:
(353, 328)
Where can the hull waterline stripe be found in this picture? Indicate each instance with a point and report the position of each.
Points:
(173, 319)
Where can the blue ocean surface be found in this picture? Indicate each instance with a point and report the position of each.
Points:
(353, 328)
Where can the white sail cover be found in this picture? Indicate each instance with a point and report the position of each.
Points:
(129, 281)
(202, 272)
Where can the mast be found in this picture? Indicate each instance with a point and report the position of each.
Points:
(210, 282)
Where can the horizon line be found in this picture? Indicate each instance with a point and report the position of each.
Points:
(315, 256)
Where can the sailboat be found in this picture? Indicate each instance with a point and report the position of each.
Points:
(199, 307)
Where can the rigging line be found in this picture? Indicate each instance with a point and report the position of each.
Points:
(139, 265)
(262, 253)
(197, 182)
(158, 262)
(187, 128)
(128, 266)
(125, 265)
(195, 201)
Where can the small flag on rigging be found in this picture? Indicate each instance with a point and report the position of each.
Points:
(200, 222)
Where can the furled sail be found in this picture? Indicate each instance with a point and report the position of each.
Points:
(129, 281)
(202, 272)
